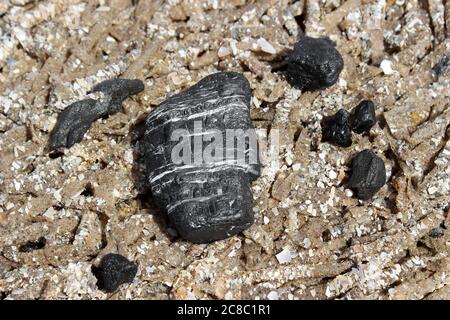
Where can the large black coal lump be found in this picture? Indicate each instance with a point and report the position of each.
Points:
(114, 270)
(336, 129)
(314, 64)
(76, 119)
(205, 199)
(363, 117)
(368, 174)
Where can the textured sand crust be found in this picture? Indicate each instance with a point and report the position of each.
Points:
(312, 239)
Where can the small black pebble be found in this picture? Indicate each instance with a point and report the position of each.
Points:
(442, 66)
(314, 64)
(435, 233)
(336, 129)
(113, 271)
(363, 117)
(33, 245)
(368, 174)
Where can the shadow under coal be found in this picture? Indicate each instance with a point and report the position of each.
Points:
(139, 176)
(279, 65)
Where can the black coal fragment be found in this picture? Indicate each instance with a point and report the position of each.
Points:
(314, 64)
(33, 245)
(368, 174)
(114, 270)
(441, 68)
(336, 129)
(118, 90)
(204, 200)
(76, 119)
(363, 117)
(436, 233)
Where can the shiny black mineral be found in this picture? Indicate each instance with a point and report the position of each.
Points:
(441, 68)
(363, 117)
(336, 129)
(113, 271)
(206, 195)
(76, 119)
(368, 174)
(314, 64)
